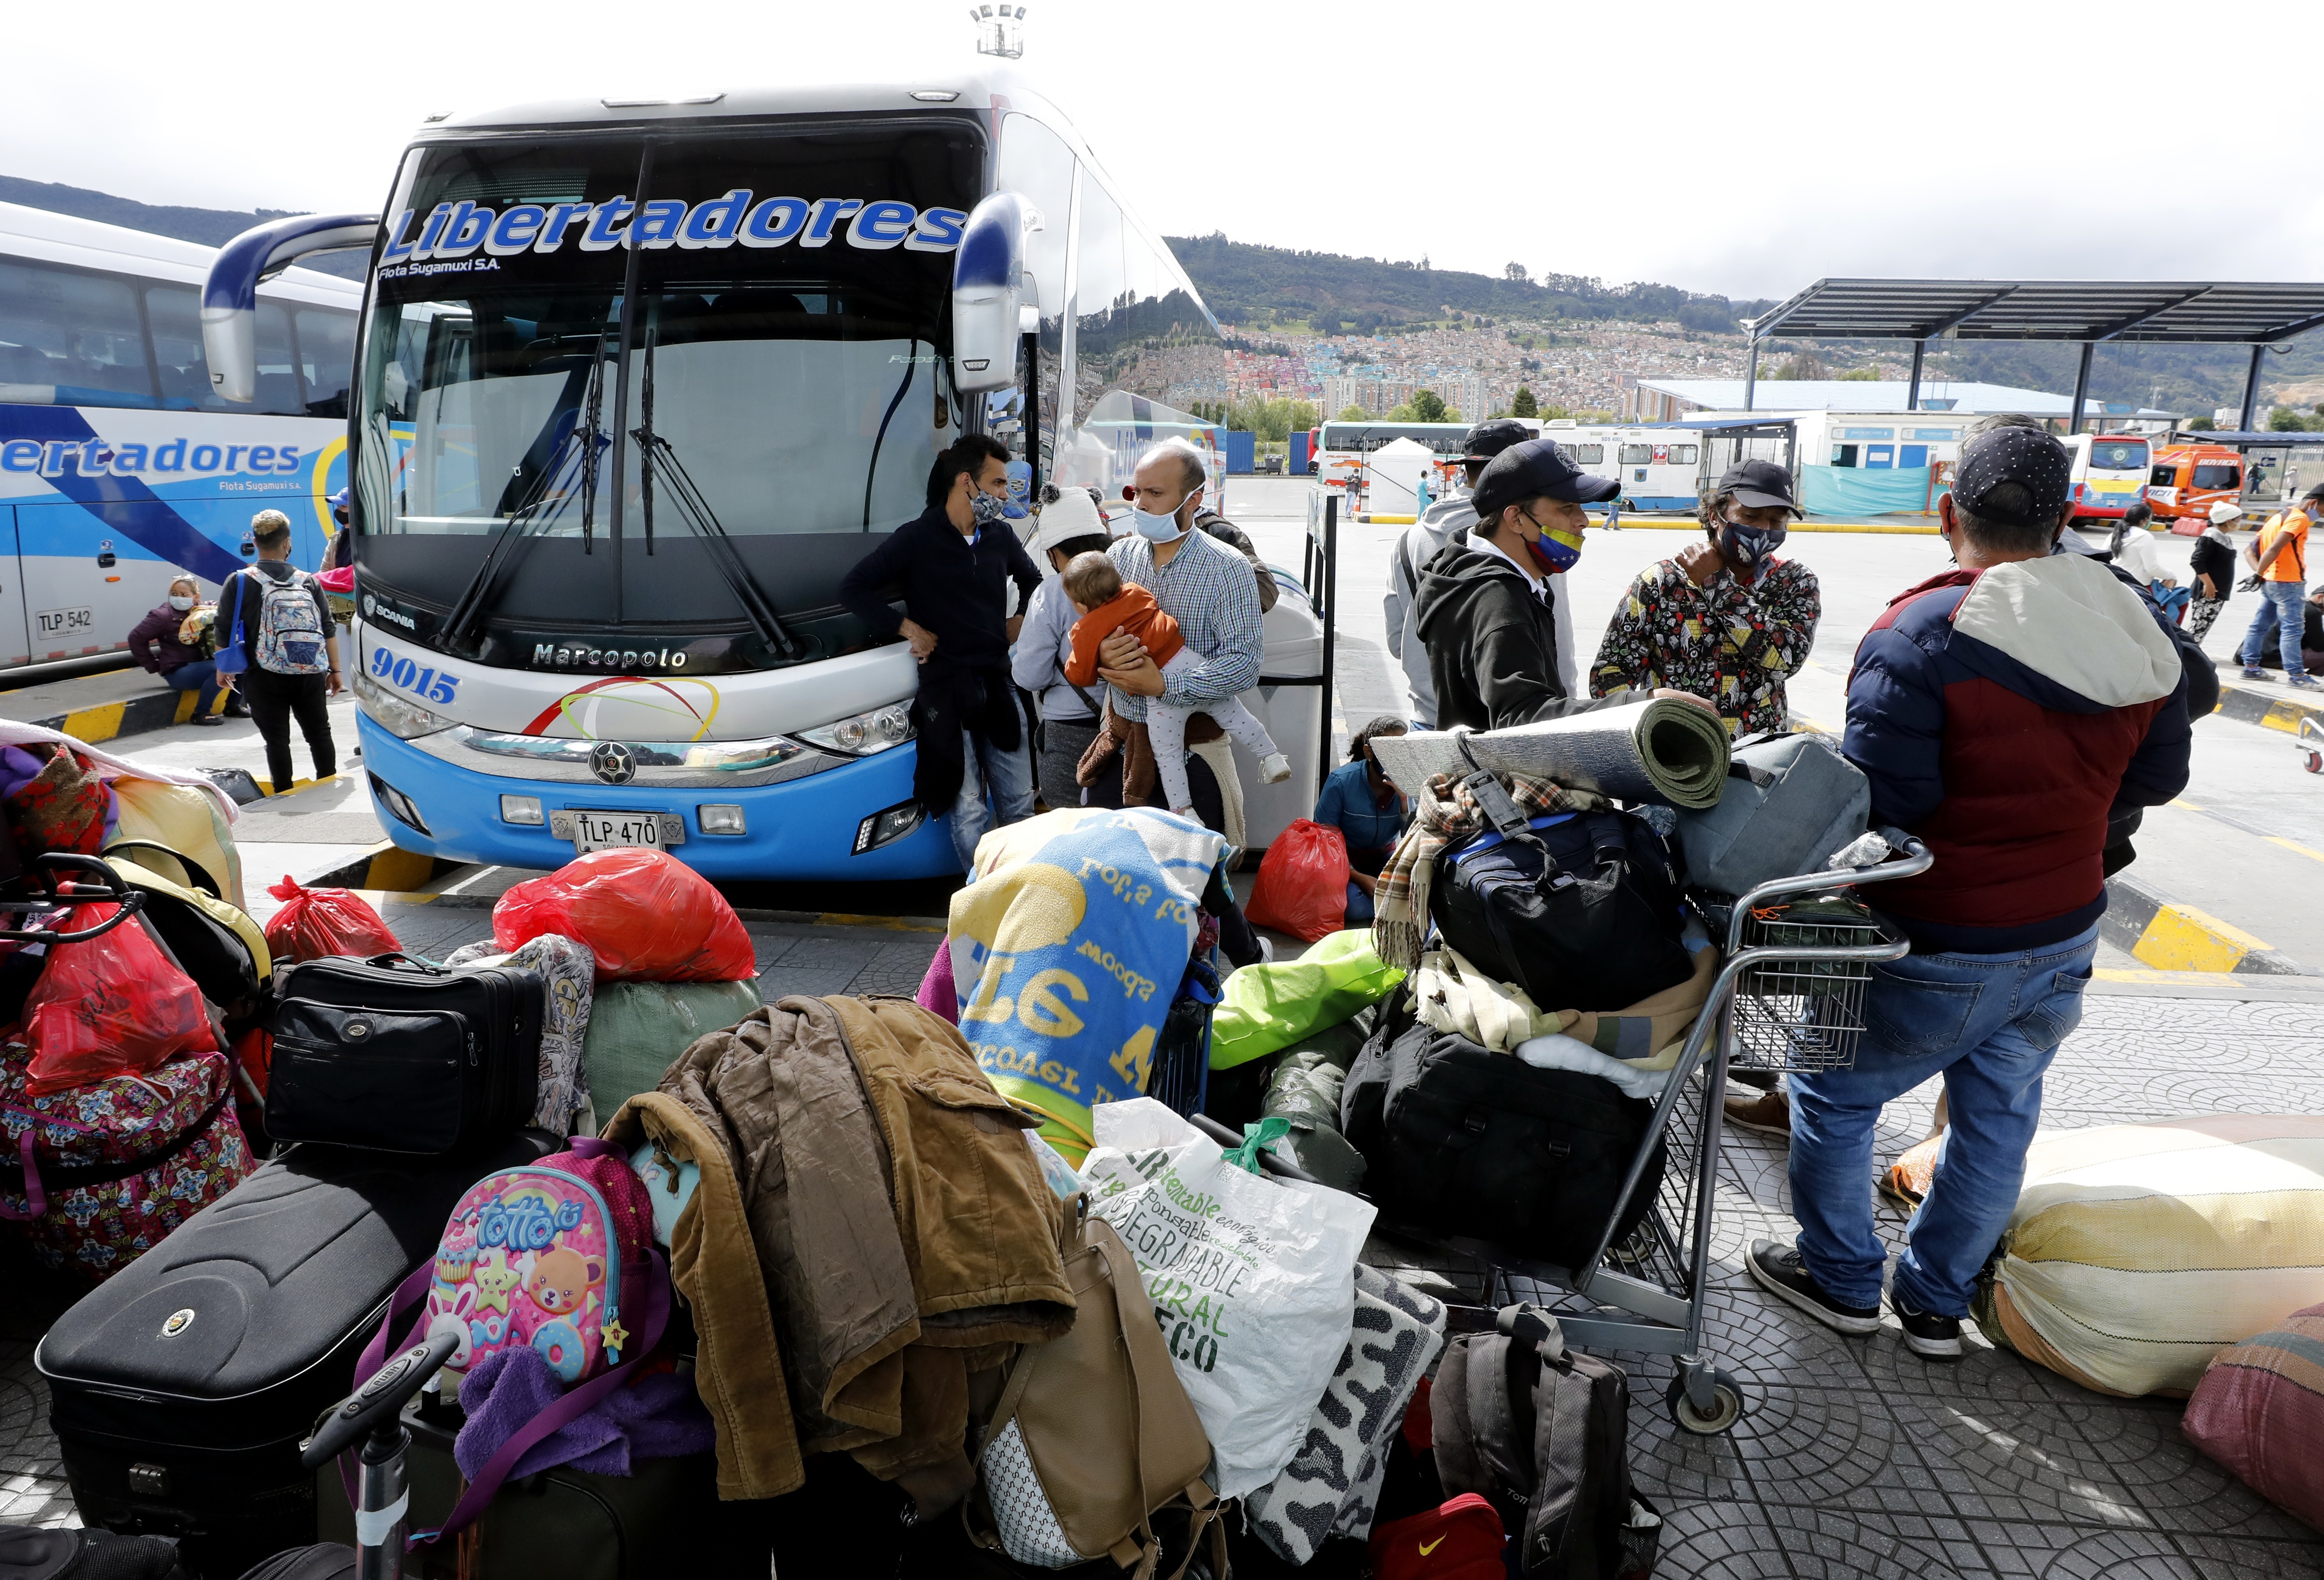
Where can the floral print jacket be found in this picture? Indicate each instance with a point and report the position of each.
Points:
(1730, 644)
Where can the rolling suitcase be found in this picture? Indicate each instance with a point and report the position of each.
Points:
(180, 1389)
(392, 1054)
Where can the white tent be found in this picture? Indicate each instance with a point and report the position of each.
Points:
(1392, 476)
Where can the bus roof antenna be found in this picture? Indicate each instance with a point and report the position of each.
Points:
(1000, 31)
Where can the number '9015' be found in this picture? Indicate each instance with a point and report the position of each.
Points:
(435, 685)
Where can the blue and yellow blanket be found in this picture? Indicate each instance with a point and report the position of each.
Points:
(1067, 948)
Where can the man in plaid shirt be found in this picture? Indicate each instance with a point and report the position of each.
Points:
(1723, 620)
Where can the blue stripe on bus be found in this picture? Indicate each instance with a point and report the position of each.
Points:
(125, 504)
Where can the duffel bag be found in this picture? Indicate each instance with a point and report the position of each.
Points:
(1460, 1139)
(96, 1175)
(398, 1056)
(1791, 801)
(1580, 908)
(637, 1029)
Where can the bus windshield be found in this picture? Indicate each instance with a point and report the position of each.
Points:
(2119, 455)
(769, 363)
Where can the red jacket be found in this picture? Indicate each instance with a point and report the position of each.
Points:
(2000, 716)
(1133, 610)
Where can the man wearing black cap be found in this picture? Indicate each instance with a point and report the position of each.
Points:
(1724, 619)
(1420, 544)
(2001, 710)
(1484, 606)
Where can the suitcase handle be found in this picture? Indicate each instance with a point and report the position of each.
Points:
(387, 962)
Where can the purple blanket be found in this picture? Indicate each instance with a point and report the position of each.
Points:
(659, 1417)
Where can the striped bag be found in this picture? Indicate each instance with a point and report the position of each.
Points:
(2259, 1411)
(2138, 1251)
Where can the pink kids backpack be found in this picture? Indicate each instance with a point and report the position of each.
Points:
(557, 1255)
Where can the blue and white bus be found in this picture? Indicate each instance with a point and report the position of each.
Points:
(638, 382)
(120, 467)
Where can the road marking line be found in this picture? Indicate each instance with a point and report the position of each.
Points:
(2313, 855)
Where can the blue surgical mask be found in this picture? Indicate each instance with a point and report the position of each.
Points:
(984, 509)
(1159, 528)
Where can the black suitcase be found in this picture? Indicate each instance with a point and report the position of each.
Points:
(1581, 910)
(403, 1056)
(1458, 1139)
(180, 1389)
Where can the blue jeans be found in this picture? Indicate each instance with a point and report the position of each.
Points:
(2278, 607)
(1008, 775)
(1988, 1024)
(201, 672)
(1360, 906)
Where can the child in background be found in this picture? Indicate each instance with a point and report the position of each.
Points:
(1095, 588)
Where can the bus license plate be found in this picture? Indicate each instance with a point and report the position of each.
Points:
(53, 623)
(591, 830)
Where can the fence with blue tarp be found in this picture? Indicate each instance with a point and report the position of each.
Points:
(1866, 491)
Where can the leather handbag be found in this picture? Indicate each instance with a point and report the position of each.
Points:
(1058, 1476)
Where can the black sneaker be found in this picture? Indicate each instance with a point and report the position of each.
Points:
(1937, 1338)
(1780, 1270)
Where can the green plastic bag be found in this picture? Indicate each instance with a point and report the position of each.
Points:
(637, 1029)
(1268, 1008)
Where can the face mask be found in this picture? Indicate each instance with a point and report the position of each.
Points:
(180, 601)
(1745, 548)
(984, 509)
(1159, 528)
(1558, 549)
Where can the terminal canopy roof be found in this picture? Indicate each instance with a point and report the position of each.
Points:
(2211, 312)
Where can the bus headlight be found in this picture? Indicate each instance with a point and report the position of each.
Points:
(405, 720)
(862, 735)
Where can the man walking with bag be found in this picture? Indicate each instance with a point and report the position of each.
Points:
(2001, 710)
(281, 638)
(2280, 555)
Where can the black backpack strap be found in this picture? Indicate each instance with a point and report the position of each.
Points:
(1557, 1516)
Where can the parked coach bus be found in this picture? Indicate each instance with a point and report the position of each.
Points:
(120, 465)
(637, 384)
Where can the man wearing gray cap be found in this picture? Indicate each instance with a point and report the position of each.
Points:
(1420, 544)
(2003, 711)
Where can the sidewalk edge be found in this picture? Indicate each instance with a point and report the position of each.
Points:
(2162, 934)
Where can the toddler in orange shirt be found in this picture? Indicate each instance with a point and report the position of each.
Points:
(1107, 604)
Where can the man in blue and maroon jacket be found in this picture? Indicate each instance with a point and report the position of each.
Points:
(2002, 711)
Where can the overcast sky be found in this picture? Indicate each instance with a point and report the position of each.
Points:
(1738, 148)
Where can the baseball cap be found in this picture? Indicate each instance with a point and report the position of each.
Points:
(1072, 514)
(2028, 456)
(1759, 486)
(2315, 493)
(1488, 439)
(1531, 470)
(339, 501)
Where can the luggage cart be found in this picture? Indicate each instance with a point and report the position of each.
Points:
(1777, 1004)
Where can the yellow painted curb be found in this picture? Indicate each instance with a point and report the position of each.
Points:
(397, 871)
(95, 724)
(2183, 939)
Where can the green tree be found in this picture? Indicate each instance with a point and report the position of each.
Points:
(1352, 412)
(1862, 375)
(1523, 404)
(1428, 406)
(1402, 414)
(2284, 420)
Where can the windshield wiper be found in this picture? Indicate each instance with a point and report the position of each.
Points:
(580, 445)
(698, 515)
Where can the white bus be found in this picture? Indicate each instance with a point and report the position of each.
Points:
(640, 382)
(1343, 447)
(120, 467)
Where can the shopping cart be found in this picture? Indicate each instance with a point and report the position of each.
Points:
(1789, 996)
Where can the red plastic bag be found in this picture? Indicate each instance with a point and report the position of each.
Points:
(314, 922)
(1303, 882)
(106, 1006)
(646, 915)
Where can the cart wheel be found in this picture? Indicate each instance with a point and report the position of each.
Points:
(2315, 761)
(1726, 1409)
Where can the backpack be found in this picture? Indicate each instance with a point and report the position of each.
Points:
(1578, 909)
(290, 628)
(1543, 1434)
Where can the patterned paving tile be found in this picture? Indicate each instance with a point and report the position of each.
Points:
(2215, 1557)
(1828, 1544)
(2175, 1487)
(35, 1500)
(1718, 1541)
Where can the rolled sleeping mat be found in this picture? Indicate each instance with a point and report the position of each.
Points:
(1662, 750)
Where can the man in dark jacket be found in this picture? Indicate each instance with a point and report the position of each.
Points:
(952, 565)
(2002, 711)
(1483, 604)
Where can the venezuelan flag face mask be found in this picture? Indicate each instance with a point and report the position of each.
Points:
(1557, 549)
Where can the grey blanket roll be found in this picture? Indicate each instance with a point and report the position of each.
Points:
(1674, 753)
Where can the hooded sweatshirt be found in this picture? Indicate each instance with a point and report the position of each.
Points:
(2001, 716)
(1492, 641)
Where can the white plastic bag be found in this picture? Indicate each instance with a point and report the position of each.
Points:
(1252, 1279)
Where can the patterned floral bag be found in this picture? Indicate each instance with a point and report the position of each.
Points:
(569, 971)
(96, 1175)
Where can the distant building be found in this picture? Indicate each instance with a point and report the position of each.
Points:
(1656, 400)
(1378, 397)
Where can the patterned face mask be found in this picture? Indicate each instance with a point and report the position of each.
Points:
(1747, 548)
(1558, 549)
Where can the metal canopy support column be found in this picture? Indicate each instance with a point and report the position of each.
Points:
(2081, 387)
(1912, 389)
(2251, 390)
(1751, 376)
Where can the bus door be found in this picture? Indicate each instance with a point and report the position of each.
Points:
(14, 648)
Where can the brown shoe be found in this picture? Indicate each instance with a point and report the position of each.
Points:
(1767, 1112)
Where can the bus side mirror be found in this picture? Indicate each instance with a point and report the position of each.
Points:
(987, 274)
(230, 293)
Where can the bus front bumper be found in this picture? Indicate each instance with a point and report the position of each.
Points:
(800, 829)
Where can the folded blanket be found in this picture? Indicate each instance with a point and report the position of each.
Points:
(658, 1417)
(1066, 949)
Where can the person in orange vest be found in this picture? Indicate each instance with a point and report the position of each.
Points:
(2280, 555)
